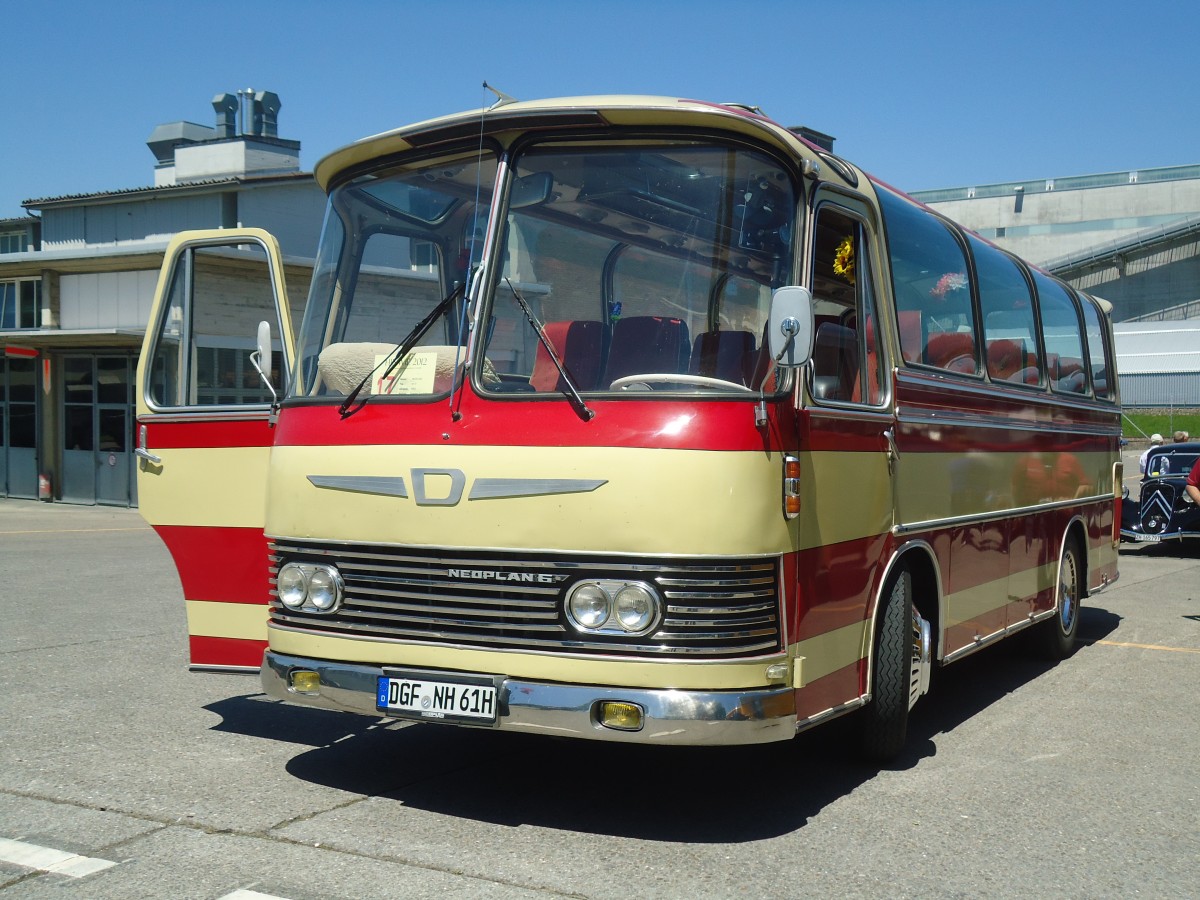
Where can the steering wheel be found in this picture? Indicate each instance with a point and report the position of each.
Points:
(624, 382)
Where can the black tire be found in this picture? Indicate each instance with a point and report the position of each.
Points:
(884, 721)
(1054, 638)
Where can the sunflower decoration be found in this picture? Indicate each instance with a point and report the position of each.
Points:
(843, 259)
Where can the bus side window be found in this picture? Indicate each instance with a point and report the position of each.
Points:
(930, 278)
(1097, 349)
(1009, 324)
(1062, 335)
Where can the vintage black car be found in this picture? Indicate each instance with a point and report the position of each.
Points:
(1163, 510)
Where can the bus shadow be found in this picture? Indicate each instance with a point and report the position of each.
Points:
(664, 794)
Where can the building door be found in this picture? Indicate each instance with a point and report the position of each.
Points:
(18, 427)
(98, 430)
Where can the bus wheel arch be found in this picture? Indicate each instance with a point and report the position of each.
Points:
(901, 656)
(1056, 636)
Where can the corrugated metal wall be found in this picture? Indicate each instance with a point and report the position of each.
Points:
(1176, 389)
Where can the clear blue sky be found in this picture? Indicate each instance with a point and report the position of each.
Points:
(921, 94)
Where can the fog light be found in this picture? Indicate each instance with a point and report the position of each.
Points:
(303, 682)
(621, 716)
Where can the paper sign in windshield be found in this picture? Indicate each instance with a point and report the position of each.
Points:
(413, 376)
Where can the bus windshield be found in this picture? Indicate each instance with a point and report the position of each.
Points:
(645, 266)
(398, 246)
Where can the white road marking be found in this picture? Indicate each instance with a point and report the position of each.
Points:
(46, 859)
(243, 894)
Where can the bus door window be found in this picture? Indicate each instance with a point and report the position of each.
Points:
(932, 288)
(1009, 324)
(846, 363)
(218, 296)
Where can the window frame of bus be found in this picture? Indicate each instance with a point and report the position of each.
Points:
(890, 199)
(1040, 278)
(631, 139)
(1022, 269)
(865, 273)
(1088, 302)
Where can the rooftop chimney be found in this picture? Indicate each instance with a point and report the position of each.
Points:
(226, 106)
(244, 143)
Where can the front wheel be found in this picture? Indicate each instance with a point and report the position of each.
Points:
(900, 669)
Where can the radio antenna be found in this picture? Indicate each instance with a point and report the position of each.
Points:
(502, 99)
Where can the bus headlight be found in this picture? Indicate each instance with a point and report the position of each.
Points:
(626, 608)
(306, 587)
(588, 606)
(635, 608)
(292, 586)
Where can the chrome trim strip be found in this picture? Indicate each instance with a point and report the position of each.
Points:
(752, 716)
(247, 413)
(382, 485)
(504, 488)
(535, 551)
(1016, 512)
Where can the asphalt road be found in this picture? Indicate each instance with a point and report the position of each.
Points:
(127, 776)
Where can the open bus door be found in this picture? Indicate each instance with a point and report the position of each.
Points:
(204, 433)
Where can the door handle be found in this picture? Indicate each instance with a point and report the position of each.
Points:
(141, 452)
(892, 452)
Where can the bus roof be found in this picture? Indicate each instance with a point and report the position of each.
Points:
(612, 109)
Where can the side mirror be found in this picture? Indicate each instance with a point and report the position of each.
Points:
(262, 358)
(790, 327)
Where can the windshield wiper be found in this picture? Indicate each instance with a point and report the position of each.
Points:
(348, 407)
(569, 391)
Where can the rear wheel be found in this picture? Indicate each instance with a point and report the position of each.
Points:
(899, 671)
(1055, 638)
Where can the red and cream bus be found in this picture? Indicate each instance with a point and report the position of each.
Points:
(625, 418)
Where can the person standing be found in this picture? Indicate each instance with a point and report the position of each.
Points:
(1156, 440)
(1180, 436)
(1192, 485)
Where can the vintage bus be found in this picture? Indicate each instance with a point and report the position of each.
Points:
(624, 418)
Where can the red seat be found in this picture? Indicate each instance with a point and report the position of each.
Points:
(953, 350)
(1005, 358)
(578, 347)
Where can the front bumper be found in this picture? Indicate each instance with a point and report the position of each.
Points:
(1143, 537)
(568, 710)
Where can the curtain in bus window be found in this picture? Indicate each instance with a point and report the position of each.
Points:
(931, 281)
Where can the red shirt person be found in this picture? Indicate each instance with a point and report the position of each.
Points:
(1193, 482)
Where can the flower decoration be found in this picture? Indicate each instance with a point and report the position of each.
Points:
(843, 259)
(951, 281)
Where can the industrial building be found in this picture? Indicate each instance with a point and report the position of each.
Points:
(77, 281)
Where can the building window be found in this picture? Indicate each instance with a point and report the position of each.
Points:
(13, 242)
(21, 303)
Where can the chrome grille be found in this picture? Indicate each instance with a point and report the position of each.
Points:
(713, 608)
(1156, 506)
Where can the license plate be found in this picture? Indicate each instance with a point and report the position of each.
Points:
(438, 698)
(1148, 538)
